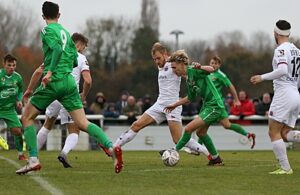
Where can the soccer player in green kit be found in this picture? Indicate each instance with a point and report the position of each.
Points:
(60, 56)
(220, 80)
(198, 84)
(11, 91)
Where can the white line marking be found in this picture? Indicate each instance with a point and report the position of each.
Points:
(43, 183)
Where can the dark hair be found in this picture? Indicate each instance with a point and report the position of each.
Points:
(9, 58)
(283, 25)
(79, 37)
(50, 10)
(217, 59)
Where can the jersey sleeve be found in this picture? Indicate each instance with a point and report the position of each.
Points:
(83, 64)
(20, 89)
(224, 79)
(281, 56)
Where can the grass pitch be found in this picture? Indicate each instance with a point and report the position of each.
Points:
(144, 173)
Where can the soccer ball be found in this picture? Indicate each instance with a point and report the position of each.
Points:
(170, 157)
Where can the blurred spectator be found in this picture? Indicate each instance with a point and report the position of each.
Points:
(262, 108)
(140, 103)
(122, 102)
(131, 110)
(99, 105)
(111, 111)
(246, 109)
(147, 102)
(86, 108)
(228, 102)
(190, 109)
(255, 101)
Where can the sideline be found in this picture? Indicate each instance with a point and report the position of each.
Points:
(42, 182)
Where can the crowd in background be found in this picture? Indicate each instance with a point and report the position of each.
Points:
(131, 106)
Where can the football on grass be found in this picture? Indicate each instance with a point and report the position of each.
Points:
(170, 157)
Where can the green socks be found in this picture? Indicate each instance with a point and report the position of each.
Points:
(31, 140)
(238, 128)
(183, 140)
(206, 140)
(19, 142)
(97, 133)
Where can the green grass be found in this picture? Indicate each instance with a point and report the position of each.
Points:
(144, 173)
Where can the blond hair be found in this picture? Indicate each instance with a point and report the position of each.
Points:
(179, 56)
(158, 47)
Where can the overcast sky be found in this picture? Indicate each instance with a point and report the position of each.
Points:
(198, 19)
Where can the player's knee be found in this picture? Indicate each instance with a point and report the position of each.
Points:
(200, 133)
(16, 131)
(136, 126)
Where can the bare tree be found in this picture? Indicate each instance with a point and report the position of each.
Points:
(150, 15)
(109, 41)
(16, 26)
(260, 41)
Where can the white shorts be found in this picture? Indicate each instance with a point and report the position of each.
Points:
(285, 107)
(156, 111)
(55, 109)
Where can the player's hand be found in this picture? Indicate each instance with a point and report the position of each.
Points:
(46, 79)
(196, 65)
(83, 97)
(170, 108)
(256, 79)
(237, 103)
(26, 95)
(19, 105)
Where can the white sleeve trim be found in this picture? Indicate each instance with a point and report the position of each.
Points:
(275, 74)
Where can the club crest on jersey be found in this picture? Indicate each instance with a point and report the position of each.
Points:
(166, 69)
(281, 53)
(3, 79)
(86, 63)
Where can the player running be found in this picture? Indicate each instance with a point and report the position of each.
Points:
(60, 56)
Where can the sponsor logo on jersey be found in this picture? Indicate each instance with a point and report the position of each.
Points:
(162, 77)
(8, 92)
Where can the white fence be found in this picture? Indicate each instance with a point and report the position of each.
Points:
(156, 137)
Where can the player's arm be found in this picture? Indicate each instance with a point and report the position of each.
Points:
(176, 104)
(234, 94)
(87, 84)
(275, 74)
(36, 76)
(20, 94)
(198, 66)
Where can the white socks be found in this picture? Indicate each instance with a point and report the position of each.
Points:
(70, 143)
(279, 150)
(42, 137)
(125, 137)
(293, 136)
(195, 146)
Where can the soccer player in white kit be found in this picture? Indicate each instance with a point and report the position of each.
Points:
(56, 108)
(285, 105)
(169, 87)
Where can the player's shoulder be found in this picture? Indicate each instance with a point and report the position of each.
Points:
(220, 73)
(53, 27)
(18, 75)
(82, 59)
(81, 56)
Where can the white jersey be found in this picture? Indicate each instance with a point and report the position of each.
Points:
(82, 66)
(169, 85)
(285, 105)
(287, 54)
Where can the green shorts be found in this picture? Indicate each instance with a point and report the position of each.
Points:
(63, 90)
(11, 119)
(211, 115)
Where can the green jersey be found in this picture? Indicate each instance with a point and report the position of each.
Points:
(11, 90)
(220, 80)
(199, 84)
(60, 54)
